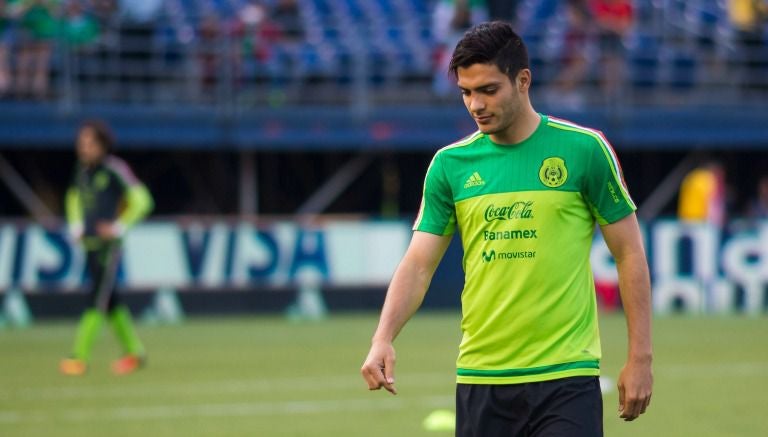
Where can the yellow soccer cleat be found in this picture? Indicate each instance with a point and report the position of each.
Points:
(72, 367)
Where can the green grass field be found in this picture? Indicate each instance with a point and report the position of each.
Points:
(264, 376)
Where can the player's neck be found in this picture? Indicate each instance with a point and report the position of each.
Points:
(520, 130)
(91, 164)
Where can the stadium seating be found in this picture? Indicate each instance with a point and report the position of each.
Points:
(379, 43)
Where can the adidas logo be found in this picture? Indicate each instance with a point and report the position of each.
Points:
(474, 181)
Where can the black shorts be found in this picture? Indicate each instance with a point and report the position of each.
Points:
(568, 407)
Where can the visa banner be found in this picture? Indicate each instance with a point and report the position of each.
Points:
(695, 268)
(212, 255)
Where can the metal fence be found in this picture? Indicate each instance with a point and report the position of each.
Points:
(677, 53)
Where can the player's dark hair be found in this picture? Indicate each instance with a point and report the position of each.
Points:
(493, 43)
(102, 132)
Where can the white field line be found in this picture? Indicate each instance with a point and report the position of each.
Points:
(222, 410)
(326, 383)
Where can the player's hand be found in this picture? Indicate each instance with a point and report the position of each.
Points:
(108, 230)
(75, 233)
(635, 385)
(379, 367)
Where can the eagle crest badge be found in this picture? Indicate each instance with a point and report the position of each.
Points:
(553, 172)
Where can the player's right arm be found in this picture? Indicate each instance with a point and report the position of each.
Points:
(74, 212)
(404, 296)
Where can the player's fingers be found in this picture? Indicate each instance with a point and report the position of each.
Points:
(630, 412)
(389, 374)
(643, 406)
(632, 406)
(389, 369)
(646, 403)
(366, 377)
(620, 388)
(372, 376)
(390, 388)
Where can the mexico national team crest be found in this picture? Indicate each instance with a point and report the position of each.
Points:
(553, 172)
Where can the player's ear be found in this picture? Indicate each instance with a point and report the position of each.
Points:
(523, 80)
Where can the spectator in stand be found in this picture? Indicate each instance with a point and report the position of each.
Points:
(138, 22)
(80, 28)
(105, 12)
(209, 33)
(504, 10)
(702, 195)
(614, 19)
(79, 34)
(6, 43)
(256, 34)
(575, 65)
(749, 17)
(139, 14)
(288, 18)
(106, 51)
(451, 18)
(33, 65)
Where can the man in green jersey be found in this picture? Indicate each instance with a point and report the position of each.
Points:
(104, 200)
(525, 192)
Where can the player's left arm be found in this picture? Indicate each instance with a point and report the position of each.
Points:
(138, 200)
(636, 379)
(139, 204)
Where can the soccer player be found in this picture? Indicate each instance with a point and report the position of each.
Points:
(524, 191)
(105, 199)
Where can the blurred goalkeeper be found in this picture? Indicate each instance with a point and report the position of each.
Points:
(104, 200)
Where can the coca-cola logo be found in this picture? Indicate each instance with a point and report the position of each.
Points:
(515, 211)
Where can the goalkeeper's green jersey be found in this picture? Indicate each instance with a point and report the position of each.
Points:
(526, 214)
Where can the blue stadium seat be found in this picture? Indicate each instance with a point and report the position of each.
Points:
(644, 61)
(322, 7)
(682, 70)
(395, 36)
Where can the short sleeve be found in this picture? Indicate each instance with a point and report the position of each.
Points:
(122, 172)
(437, 214)
(604, 187)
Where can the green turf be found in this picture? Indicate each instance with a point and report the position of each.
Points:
(269, 377)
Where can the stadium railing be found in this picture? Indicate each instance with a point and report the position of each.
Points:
(363, 53)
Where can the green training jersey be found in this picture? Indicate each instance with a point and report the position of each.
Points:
(526, 214)
(108, 191)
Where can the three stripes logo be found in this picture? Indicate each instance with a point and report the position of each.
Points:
(474, 181)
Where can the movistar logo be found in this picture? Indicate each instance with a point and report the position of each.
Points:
(474, 181)
(517, 210)
(508, 256)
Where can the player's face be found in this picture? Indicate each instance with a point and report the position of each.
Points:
(493, 100)
(89, 151)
